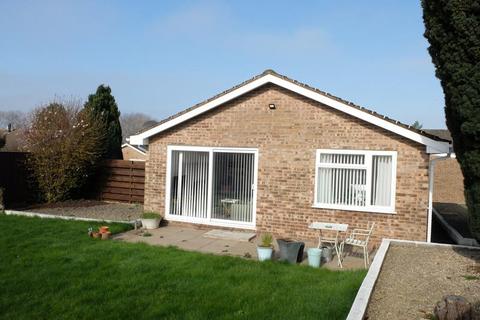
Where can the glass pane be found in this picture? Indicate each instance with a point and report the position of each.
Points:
(342, 186)
(232, 194)
(189, 183)
(381, 180)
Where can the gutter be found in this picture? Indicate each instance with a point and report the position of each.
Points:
(431, 174)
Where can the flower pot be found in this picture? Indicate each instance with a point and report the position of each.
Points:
(151, 223)
(96, 235)
(264, 253)
(291, 251)
(327, 254)
(103, 229)
(314, 257)
(106, 235)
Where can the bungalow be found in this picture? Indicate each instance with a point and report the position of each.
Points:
(274, 155)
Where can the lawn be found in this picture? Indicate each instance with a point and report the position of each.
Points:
(50, 269)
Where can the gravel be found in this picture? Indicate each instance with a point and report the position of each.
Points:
(91, 209)
(414, 278)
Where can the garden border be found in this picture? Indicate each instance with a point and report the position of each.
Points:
(360, 304)
(53, 216)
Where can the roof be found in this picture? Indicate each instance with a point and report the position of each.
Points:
(138, 148)
(433, 143)
(14, 141)
(441, 133)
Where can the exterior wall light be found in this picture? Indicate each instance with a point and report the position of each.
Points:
(271, 106)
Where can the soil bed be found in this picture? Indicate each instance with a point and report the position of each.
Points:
(91, 209)
(414, 278)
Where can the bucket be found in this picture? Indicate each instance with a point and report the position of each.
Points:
(291, 251)
(314, 255)
(327, 254)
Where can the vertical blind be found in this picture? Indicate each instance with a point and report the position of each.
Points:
(189, 183)
(343, 185)
(348, 179)
(232, 186)
(381, 180)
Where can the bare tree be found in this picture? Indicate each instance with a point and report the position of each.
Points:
(132, 123)
(17, 119)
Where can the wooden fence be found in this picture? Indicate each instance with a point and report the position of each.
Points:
(14, 179)
(122, 181)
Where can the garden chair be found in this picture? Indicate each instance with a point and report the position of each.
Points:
(334, 240)
(359, 238)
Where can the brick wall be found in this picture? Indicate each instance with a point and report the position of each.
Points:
(130, 154)
(287, 139)
(448, 182)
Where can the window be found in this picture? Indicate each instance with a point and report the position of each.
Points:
(355, 180)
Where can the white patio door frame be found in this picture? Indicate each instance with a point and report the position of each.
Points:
(209, 220)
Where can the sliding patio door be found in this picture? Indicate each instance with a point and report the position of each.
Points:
(211, 185)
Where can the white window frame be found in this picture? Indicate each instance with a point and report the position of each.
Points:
(209, 220)
(368, 166)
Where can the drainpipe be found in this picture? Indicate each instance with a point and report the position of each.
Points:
(431, 173)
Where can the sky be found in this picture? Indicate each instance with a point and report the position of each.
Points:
(160, 57)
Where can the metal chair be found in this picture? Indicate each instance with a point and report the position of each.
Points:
(326, 226)
(359, 238)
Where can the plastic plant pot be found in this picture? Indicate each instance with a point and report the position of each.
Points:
(264, 253)
(314, 257)
(151, 223)
(327, 254)
(291, 251)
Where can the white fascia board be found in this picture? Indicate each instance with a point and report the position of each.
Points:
(433, 146)
(142, 137)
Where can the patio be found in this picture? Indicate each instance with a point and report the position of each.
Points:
(194, 239)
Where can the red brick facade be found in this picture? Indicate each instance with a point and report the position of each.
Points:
(287, 139)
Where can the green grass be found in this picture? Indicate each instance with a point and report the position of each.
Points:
(50, 269)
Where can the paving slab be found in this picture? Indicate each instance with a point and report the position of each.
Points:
(230, 235)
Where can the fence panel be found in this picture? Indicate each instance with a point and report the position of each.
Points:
(122, 181)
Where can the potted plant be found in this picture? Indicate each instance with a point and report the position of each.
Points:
(151, 220)
(265, 248)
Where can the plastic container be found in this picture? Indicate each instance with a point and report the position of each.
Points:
(291, 251)
(327, 254)
(264, 253)
(314, 256)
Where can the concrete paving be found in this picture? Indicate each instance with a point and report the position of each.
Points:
(194, 239)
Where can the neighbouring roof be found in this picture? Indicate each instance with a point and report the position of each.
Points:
(137, 148)
(441, 133)
(13, 141)
(434, 143)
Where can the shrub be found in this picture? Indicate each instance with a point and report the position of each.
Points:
(267, 240)
(65, 144)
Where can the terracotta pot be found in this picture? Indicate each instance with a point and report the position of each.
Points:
(103, 229)
(106, 235)
(96, 235)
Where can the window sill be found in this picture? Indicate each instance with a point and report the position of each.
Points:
(346, 208)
